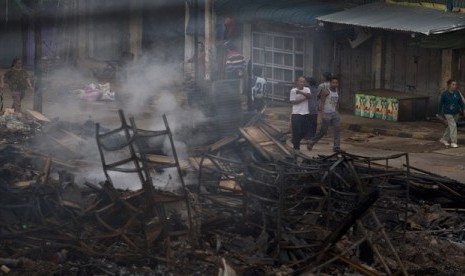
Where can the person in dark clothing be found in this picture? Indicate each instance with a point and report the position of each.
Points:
(235, 63)
(312, 107)
(450, 106)
(300, 119)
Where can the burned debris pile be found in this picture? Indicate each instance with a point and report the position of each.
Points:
(51, 225)
(333, 214)
(244, 205)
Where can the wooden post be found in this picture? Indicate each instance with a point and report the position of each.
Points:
(82, 32)
(25, 23)
(247, 41)
(37, 103)
(446, 67)
(196, 40)
(135, 27)
(377, 61)
(210, 39)
(188, 39)
(309, 44)
(388, 58)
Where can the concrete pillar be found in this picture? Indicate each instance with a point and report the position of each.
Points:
(188, 43)
(135, 27)
(82, 49)
(316, 64)
(210, 39)
(247, 42)
(309, 42)
(446, 67)
(247, 53)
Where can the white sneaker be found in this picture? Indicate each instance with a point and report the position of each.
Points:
(454, 145)
(444, 142)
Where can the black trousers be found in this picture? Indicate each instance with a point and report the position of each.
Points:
(300, 125)
(313, 126)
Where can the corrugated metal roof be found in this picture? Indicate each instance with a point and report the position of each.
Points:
(295, 12)
(399, 18)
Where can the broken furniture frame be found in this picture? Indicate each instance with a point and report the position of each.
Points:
(134, 140)
(141, 138)
(347, 191)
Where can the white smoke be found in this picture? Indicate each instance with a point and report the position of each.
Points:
(146, 89)
(156, 89)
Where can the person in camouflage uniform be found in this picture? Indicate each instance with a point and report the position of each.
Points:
(18, 82)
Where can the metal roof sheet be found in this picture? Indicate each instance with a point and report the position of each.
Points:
(399, 18)
(295, 12)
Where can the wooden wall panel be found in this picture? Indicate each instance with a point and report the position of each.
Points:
(354, 67)
(459, 69)
(413, 70)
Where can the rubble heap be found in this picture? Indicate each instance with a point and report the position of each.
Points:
(255, 209)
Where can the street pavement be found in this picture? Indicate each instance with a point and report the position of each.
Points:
(423, 130)
(446, 162)
(425, 152)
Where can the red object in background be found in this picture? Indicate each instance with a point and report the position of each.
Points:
(232, 53)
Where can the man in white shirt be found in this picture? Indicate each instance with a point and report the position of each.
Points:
(300, 120)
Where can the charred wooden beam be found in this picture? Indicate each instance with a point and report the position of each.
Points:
(349, 221)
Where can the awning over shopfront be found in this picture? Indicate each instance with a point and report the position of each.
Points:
(295, 12)
(399, 18)
(452, 40)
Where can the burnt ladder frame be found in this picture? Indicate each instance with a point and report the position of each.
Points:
(139, 136)
(141, 162)
(139, 167)
(115, 166)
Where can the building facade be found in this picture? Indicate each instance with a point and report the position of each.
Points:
(391, 45)
(398, 46)
(88, 33)
(280, 38)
